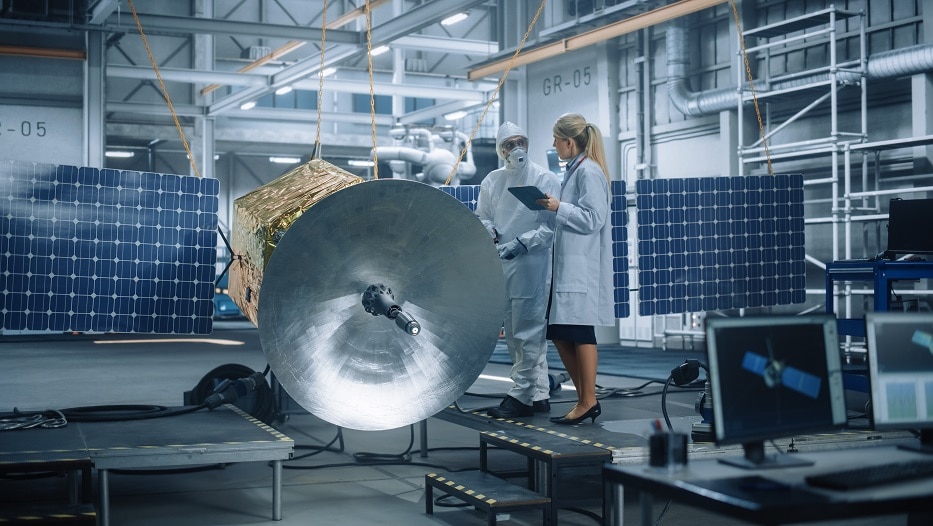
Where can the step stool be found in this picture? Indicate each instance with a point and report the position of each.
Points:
(486, 492)
(36, 514)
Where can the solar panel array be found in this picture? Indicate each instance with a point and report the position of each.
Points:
(720, 243)
(469, 194)
(100, 250)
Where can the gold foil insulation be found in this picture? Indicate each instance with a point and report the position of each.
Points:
(263, 216)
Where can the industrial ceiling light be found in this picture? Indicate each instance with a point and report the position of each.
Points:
(283, 90)
(455, 115)
(119, 154)
(453, 19)
(248, 105)
(284, 160)
(379, 50)
(360, 164)
(328, 72)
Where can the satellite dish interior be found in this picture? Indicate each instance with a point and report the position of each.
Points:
(381, 304)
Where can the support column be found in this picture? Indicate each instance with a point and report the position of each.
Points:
(729, 143)
(95, 138)
(202, 144)
(921, 102)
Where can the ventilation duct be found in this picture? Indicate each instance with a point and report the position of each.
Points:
(890, 64)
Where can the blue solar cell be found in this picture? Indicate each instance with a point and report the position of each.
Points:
(88, 257)
(678, 291)
(730, 233)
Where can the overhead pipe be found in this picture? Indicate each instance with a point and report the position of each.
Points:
(889, 64)
(437, 164)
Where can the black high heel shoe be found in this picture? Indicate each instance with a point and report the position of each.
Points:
(592, 413)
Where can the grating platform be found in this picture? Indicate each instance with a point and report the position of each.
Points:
(222, 436)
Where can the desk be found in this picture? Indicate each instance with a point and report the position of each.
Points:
(882, 273)
(713, 486)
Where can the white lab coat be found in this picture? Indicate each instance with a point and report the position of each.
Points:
(527, 276)
(583, 292)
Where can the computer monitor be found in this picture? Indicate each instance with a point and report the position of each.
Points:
(909, 229)
(900, 368)
(773, 377)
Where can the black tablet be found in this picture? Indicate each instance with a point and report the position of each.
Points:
(528, 195)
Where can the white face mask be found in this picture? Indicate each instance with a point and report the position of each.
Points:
(517, 158)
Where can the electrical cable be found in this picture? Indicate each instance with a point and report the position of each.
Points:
(116, 413)
(316, 450)
(365, 457)
(661, 515)
(667, 419)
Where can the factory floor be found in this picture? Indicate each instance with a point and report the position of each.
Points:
(334, 486)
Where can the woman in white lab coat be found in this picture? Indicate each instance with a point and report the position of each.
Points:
(581, 289)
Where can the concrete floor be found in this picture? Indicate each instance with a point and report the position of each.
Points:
(329, 487)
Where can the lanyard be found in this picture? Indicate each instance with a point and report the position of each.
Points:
(573, 165)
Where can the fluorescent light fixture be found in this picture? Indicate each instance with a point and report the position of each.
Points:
(328, 72)
(453, 19)
(379, 50)
(119, 154)
(455, 115)
(361, 164)
(284, 160)
(248, 105)
(283, 90)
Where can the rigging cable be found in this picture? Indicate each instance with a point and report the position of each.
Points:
(495, 93)
(751, 86)
(168, 99)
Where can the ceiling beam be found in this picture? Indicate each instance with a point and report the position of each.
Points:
(190, 76)
(622, 27)
(100, 10)
(419, 18)
(459, 46)
(176, 25)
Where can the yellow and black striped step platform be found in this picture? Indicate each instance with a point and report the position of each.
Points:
(48, 514)
(484, 491)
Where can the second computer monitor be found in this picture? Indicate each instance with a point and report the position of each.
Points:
(900, 366)
(773, 377)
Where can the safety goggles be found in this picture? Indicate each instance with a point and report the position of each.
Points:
(511, 144)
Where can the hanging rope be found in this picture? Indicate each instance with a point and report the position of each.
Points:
(751, 85)
(372, 97)
(168, 99)
(495, 94)
(316, 153)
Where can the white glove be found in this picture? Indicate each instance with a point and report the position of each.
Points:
(511, 249)
(491, 230)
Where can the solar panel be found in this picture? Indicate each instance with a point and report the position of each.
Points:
(720, 243)
(468, 195)
(620, 280)
(100, 250)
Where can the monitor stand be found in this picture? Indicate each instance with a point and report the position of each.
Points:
(925, 445)
(755, 458)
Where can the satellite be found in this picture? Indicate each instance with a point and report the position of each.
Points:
(776, 373)
(923, 339)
